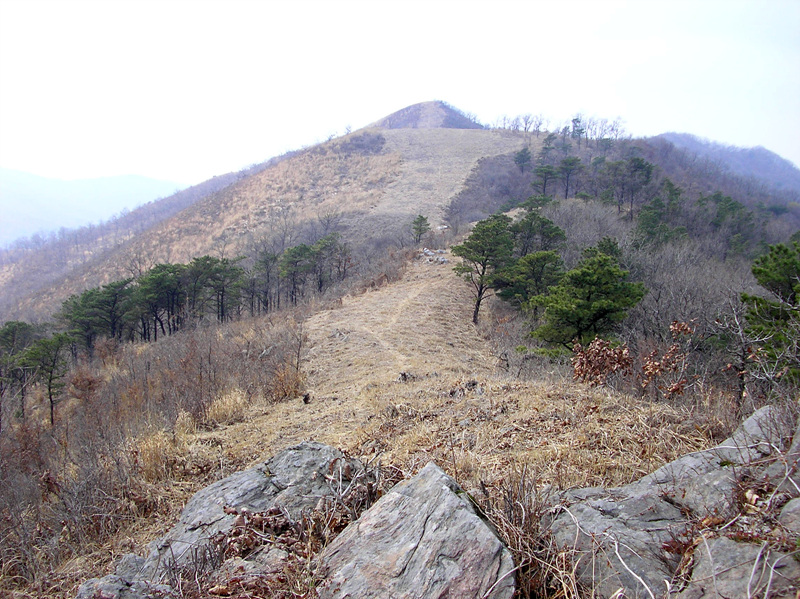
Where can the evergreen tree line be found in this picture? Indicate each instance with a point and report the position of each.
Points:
(169, 296)
(161, 302)
(600, 155)
(521, 260)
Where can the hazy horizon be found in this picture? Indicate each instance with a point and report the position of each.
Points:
(184, 91)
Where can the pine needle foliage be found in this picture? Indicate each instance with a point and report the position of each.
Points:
(589, 301)
(488, 249)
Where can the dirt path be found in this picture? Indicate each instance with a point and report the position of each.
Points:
(420, 324)
(457, 407)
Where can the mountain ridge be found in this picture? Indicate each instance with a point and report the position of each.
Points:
(34, 204)
(366, 185)
(754, 162)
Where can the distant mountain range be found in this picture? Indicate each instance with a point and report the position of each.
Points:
(31, 204)
(758, 162)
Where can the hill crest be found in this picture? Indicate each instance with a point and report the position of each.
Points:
(428, 115)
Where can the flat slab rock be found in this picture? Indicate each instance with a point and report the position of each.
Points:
(620, 538)
(423, 539)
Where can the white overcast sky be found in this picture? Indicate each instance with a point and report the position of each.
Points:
(183, 90)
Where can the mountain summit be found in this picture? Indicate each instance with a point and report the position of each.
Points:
(428, 115)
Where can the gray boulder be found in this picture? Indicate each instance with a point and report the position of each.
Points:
(629, 538)
(422, 539)
(764, 434)
(294, 480)
(725, 568)
(790, 516)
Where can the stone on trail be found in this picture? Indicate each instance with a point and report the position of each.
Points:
(422, 539)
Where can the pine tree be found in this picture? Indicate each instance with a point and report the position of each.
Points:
(531, 275)
(589, 301)
(486, 250)
(523, 159)
(775, 320)
(419, 226)
(45, 357)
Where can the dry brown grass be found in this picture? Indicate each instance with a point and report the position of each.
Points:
(158, 454)
(227, 409)
(400, 373)
(454, 405)
(417, 172)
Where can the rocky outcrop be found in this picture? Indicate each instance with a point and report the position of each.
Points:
(718, 523)
(650, 537)
(282, 488)
(422, 539)
(294, 480)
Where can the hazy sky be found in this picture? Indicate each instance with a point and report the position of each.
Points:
(183, 90)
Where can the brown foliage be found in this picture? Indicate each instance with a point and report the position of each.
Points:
(84, 384)
(287, 383)
(664, 374)
(65, 489)
(595, 363)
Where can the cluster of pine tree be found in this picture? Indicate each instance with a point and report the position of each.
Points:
(161, 302)
(520, 260)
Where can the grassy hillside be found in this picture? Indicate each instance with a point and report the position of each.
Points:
(383, 360)
(397, 373)
(373, 182)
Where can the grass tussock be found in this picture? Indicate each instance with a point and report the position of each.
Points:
(158, 456)
(229, 408)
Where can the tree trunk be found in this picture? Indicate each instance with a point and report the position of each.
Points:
(477, 309)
